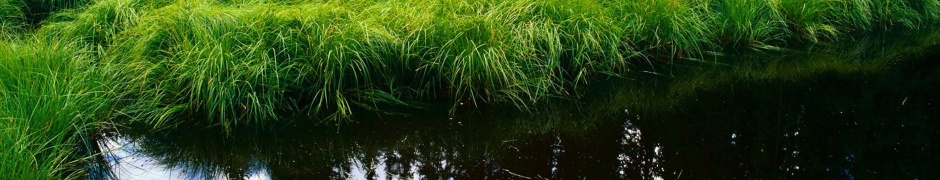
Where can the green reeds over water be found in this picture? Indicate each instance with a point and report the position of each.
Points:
(251, 63)
(677, 26)
(67, 64)
(247, 62)
(828, 19)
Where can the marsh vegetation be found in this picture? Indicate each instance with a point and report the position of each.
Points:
(69, 67)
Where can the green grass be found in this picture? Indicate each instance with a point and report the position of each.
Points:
(247, 62)
(677, 26)
(98, 24)
(748, 22)
(827, 19)
(11, 18)
(49, 97)
(68, 64)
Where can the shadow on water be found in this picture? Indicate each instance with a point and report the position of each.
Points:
(868, 108)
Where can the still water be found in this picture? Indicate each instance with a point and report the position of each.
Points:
(865, 109)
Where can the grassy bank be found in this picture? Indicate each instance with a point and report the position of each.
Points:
(247, 62)
(49, 97)
(69, 64)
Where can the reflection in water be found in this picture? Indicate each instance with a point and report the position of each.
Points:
(835, 112)
(127, 163)
(636, 157)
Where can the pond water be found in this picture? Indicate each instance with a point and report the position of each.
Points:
(868, 108)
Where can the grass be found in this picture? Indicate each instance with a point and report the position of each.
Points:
(747, 22)
(11, 18)
(35, 11)
(69, 64)
(49, 97)
(247, 62)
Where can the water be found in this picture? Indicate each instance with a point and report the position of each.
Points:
(864, 109)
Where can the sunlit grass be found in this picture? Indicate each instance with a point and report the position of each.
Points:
(249, 62)
(677, 26)
(747, 22)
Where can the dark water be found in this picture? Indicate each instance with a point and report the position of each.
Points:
(865, 109)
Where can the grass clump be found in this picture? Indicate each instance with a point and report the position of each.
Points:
(98, 25)
(250, 63)
(813, 19)
(749, 21)
(11, 17)
(827, 19)
(676, 26)
(905, 13)
(48, 99)
(247, 62)
(582, 39)
(207, 61)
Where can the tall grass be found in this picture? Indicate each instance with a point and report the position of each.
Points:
(98, 24)
(11, 18)
(235, 63)
(582, 39)
(677, 26)
(749, 21)
(827, 19)
(814, 19)
(49, 97)
(242, 63)
(247, 62)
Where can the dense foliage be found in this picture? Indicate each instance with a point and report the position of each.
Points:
(67, 64)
